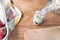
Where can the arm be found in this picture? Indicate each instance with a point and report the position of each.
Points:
(39, 15)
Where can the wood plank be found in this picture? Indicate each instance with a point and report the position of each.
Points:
(28, 7)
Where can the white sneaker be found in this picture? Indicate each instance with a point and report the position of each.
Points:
(10, 16)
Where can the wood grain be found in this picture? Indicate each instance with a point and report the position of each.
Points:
(51, 33)
(28, 7)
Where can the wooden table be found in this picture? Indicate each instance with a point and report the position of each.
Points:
(28, 7)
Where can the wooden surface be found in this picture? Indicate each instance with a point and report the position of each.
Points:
(51, 33)
(28, 7)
